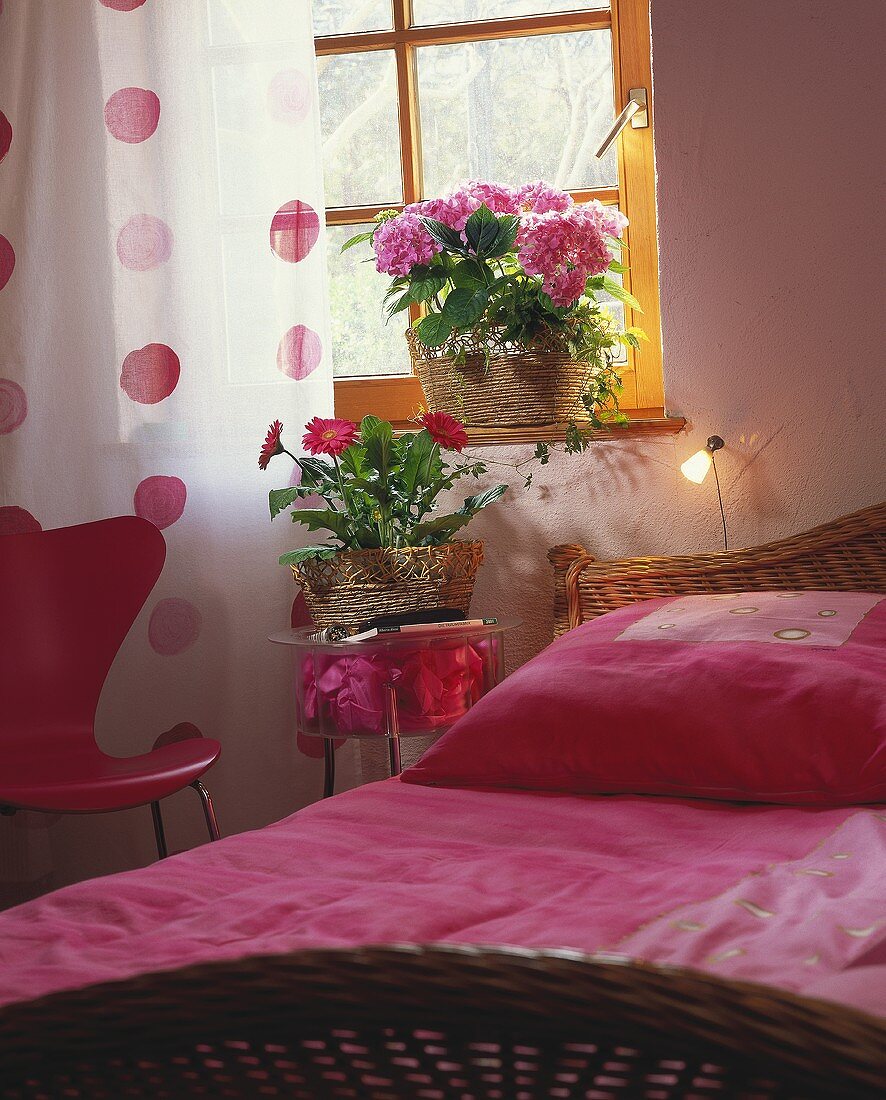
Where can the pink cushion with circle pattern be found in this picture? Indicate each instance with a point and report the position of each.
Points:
(750, 696)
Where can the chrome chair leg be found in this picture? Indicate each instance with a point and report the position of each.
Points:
(208, 811)
(159, 833)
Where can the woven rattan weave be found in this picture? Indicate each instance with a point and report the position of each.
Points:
(358, 585)
(512, 387)
(435, 1023)
(847, 554)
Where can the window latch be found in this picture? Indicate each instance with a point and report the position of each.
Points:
(636, 112)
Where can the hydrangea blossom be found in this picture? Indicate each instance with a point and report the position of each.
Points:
(401, 243)
(540, 197)
(558, 240)
(455, 209)
(565, 248)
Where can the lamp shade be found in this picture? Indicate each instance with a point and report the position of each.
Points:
(696, 468)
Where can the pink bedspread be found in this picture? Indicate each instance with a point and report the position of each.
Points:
(790, 897)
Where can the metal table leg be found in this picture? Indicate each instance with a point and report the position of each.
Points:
(328, 767)
(393, 728)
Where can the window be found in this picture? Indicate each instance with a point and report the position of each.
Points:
(417, 95)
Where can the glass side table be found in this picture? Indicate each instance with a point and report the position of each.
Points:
(391, 686)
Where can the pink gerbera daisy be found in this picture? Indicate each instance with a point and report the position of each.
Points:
(328, 437)
(445, 430)
(271, 446)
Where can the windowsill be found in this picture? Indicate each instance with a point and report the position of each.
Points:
(395, 397)
(642, 424)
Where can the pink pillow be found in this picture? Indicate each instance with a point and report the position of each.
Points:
(749, 696)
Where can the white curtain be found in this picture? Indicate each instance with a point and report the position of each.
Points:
(162, 298)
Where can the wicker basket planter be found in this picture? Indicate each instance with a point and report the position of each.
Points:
(357, 585)
(515, 387)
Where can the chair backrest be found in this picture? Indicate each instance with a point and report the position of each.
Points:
(67, 600)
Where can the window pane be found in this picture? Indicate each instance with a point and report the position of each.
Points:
(458, 11)
(362, 344)
(480, 121)
(361, 139)
(348, 17)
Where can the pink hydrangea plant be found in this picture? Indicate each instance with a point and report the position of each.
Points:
(567, 247)
(401, 243)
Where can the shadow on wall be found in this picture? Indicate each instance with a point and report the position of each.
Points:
(617, 500)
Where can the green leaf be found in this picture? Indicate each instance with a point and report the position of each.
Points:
(306, 552)
(508, 226)
(279, 499)
(316, 472)
(419, 465)
(353, 460)
(618, 268)
(474, 504)
(430, 530)
(443, 235)
(464, 307)
(481, 230)
(469, 273)
(318, 519)
(403, 302)
(434, 330)
(425, 286)
(359, 239)
(377, 438)
(617, 291)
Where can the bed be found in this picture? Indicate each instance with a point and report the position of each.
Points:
(410, 941)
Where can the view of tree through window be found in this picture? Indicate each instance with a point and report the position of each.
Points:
(417, 96)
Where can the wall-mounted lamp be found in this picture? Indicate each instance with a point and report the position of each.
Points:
(636, 112)
(696, 469)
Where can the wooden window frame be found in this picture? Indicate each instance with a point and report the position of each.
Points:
(396, 397)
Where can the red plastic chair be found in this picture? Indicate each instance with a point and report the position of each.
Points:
(67, 600)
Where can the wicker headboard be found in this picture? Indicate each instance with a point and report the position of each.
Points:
(849, 553)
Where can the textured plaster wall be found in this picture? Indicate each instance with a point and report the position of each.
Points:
(770, 157)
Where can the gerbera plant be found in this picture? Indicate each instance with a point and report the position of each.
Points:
(497, 266)
(378, 490)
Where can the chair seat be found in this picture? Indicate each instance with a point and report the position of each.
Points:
(83, 779)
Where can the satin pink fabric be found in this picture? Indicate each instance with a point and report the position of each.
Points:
(716, 697)
(434, 686)
(787, 896)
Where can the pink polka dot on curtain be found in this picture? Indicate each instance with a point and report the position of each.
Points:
(294, 231)
(13, 406)
(161, 500)
(150, 374)
(174, 626)
(7, 261)
(289, 97)
(132, 114)
(5, 135)
(122, 5)
(17, 521)
(144, 242)
(299, 352)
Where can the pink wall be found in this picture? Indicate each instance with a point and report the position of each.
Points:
(770, 155)
(770, 152)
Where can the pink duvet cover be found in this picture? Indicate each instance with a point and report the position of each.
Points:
(790, 897)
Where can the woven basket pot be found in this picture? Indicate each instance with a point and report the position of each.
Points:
(515, 387)
(358, 585)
